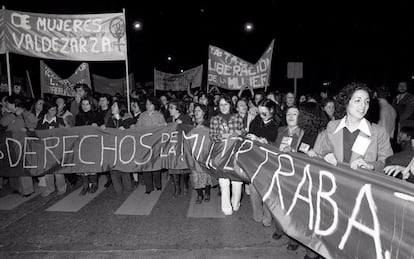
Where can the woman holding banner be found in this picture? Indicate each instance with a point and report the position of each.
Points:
(88, 116)
(121, 180)
(51, 121)
(202, 181)
(18, 119)
(177, 110)
(151, 117)
(353, 139)
(263, 129)
(223, 126)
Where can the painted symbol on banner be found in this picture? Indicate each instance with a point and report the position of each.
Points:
(117, 29)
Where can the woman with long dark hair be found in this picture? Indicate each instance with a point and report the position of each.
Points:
(264, 130)
(223, 126)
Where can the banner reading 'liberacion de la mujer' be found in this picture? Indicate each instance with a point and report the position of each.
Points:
(231, 72)
(91, 37)
(52, 83)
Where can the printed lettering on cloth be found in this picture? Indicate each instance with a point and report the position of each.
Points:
(336, 211)
(91, 37)
(2, 39)
(92, 149)
(52, 83)
(231, 72)
(178, 82)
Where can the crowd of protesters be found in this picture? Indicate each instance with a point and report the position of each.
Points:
(335, 127)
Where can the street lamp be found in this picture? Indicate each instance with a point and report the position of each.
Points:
(169, 58)
(137, 26)
(248, 27)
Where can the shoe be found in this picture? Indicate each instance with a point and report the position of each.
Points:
(45, 194)
(28, 195)
(199, 199)
(93, 188)
(61, 192)
(308, 257)
(84, 191)
(177, 192)
(135, 184)
(207, 197)
(107, 184)
(228, 213)
(277, 236)
(159, 189)
(292, 247)
(148, 192)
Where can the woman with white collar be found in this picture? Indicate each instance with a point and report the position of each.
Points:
(353, 139)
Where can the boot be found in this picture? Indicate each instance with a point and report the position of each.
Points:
(93, 179)
(108, 180)
(207, 193)
(186, 180)
(199, 196)
(176, 182)
(85, 185)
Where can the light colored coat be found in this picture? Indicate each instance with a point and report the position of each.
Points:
(378, 149)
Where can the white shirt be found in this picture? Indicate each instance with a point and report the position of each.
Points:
(363, 126)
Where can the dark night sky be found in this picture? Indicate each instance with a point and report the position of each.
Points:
(338, 41)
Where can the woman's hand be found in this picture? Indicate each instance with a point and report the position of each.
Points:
(394, 170)
(361, 163)
(103, 126)
(252, 137)
(94, 124)
(312, 153)
(331, 159)
(121, 128)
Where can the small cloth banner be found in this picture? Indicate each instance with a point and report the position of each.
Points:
(111, 86)
(2, 41)
(334, 210)
(233, 73)
(51, 83)
(91, 37)
(178, 82)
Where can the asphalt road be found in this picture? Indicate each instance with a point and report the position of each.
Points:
(112, 226)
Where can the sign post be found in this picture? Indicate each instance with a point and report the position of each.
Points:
(295, 71)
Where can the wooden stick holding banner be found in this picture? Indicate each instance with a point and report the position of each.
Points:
(126, 67)
(155, 89)
(30, 83)
(8, 66)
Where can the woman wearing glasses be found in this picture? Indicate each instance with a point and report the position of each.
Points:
(263, 129)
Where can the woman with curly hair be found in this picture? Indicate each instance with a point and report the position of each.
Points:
(353, 139)
(224, 126)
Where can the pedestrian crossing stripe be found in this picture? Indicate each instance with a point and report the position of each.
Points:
(136, 204)
(74, 202)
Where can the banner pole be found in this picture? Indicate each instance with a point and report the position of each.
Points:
(30, 83)
(8, 66)
(155, 90)
(295, 88)
(126, 66)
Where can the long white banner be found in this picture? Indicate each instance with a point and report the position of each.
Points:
(92, 37)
